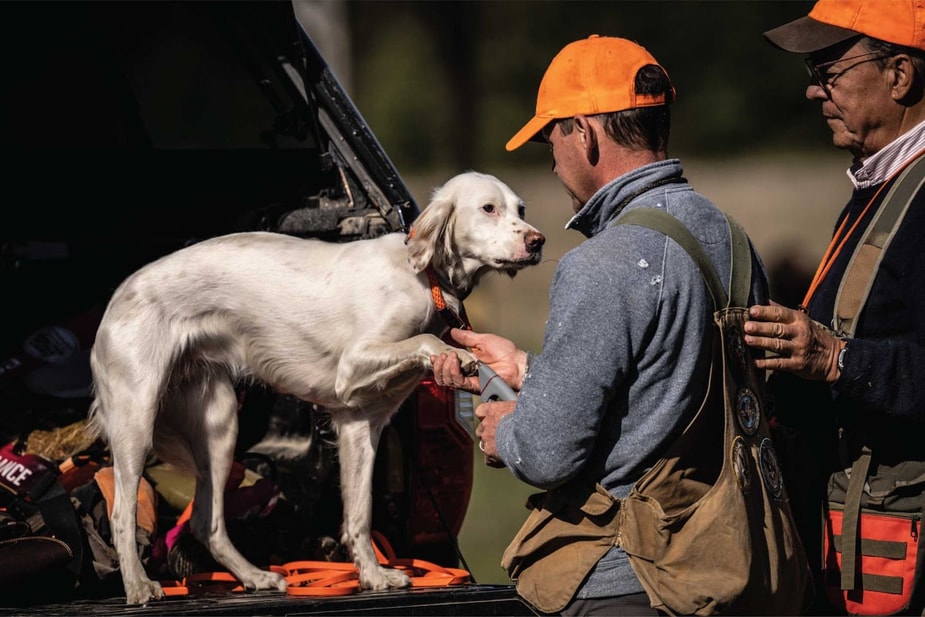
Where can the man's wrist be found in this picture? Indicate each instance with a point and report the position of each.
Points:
(841, 352)
(522, 361)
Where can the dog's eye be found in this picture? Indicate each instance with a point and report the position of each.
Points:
(489, 208)
(522, 211)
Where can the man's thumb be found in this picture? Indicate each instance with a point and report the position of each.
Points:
(467, 338)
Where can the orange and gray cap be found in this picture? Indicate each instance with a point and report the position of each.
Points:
(901, 22)
(592, 76)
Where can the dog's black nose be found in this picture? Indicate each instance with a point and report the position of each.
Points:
(534, 241)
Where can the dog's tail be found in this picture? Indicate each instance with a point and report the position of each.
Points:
(94, 420)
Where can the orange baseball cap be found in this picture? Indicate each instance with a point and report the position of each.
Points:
(591, 76)
(901, 22)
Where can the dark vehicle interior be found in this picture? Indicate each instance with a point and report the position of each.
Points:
(132, 129)
(137, 128)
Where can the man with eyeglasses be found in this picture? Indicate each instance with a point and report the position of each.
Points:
(835, 394)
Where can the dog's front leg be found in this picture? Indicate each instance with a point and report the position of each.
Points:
(373, 366)
(358, 434)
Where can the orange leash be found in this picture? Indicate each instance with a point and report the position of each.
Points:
(835, 246)
(318, 579)
(325, 578)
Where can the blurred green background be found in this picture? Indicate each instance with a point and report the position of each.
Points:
(443, 85)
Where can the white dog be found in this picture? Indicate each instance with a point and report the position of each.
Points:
(348, 326)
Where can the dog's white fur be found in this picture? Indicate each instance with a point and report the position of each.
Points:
(348, 326)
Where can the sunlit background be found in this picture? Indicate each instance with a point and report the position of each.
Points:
(443, 85)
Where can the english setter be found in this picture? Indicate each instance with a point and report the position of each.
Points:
(348, 326)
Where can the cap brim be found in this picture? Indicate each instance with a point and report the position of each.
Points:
(527, 133)
(806, 35)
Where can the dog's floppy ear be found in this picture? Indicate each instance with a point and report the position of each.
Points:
(432, 231)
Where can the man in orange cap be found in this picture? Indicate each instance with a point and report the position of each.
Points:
(850, 382)
(626, 353)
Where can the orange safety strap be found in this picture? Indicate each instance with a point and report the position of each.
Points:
(834, 249)
(838, 240)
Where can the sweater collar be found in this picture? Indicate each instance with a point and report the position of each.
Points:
(611, 198)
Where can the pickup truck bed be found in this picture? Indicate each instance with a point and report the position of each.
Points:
(459, 600)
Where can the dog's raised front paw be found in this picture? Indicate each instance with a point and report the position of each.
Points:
(467, 362)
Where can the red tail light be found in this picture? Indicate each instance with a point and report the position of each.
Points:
(444, 459)
(425, 473)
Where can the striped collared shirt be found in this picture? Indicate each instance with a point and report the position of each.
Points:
(883, 164)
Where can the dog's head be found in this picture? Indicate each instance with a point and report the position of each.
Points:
(473, 224)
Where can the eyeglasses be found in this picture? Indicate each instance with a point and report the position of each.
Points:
(822, 77)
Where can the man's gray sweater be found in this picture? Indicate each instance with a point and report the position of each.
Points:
(626, 352)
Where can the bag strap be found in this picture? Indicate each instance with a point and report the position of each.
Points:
(850, 517)
(740, 254)
(862, 268)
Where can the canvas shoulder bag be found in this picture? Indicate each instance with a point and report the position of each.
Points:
(874, 560)
(567, 532)
(708, 529)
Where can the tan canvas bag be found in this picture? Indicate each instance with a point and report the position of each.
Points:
(708, 529)
(566, 534)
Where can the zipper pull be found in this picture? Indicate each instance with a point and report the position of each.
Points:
(915, 526)
(843, 450)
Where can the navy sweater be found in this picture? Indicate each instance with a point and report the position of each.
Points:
(880, 392)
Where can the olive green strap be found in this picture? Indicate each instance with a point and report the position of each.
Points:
(850, 517)
(740, 278)
(740, 254)
(862, 268)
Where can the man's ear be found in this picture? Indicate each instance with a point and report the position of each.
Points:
(907, 84)
(588, 134)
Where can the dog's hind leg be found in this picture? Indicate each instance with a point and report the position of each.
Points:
(130, 437)
(357, 438)
(211, 409)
